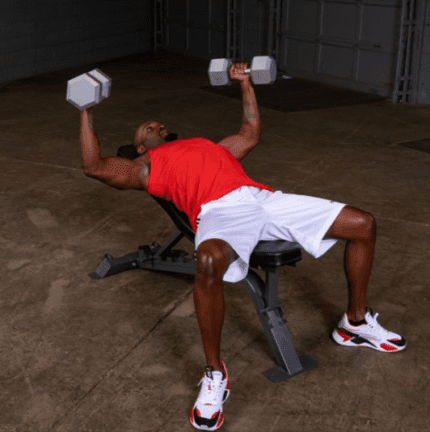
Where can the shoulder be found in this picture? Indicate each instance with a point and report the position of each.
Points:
(144, 163)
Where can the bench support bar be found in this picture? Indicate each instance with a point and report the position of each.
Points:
(264, 296)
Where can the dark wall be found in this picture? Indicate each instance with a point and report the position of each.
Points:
(39, 36)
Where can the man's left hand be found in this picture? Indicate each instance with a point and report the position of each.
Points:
(237, 72)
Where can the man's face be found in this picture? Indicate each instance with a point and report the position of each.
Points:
(150, 134)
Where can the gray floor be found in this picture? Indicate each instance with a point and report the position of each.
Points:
(124, 353)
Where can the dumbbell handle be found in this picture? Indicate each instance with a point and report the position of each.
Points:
(262, 70)
(247, 71)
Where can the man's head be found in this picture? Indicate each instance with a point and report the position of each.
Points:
(151, 134)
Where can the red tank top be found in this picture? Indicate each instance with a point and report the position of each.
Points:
(192, 172)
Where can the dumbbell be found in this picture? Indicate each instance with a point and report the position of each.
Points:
(88, 89)
(263, 71)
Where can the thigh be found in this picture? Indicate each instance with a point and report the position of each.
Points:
(298, 218)
(302, 219)
(239, 226)
(352, 224)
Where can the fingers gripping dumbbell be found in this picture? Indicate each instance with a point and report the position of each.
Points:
(88, 89)
(263, 71)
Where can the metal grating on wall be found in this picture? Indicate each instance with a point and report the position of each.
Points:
(251, 28)
(409, 52)
(159, 25)
(195, 28)
(274, 28)
(234, 37)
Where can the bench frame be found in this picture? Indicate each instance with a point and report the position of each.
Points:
(267, 256)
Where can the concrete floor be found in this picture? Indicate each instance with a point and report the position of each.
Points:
(124, 353)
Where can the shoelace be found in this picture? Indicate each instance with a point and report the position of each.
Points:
(376, 326)
(211, 390)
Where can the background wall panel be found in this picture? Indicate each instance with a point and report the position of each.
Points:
(196, 28)
(43, 36)
(349, 43)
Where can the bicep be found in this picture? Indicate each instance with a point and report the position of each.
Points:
(239, 145)
(122, 173)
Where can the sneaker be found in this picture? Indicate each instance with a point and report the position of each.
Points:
(370, 334)
(207, 413)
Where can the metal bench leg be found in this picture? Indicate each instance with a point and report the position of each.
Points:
(269, 309)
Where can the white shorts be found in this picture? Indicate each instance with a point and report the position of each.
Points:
(247, 215)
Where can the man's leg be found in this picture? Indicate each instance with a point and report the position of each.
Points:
(213, 259)
(358, 228)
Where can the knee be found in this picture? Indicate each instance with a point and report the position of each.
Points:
(211, 265)
(368, 224)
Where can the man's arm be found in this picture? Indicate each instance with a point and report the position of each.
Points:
(90, 147)
(249, 133)
(115, 171)
(251, 125)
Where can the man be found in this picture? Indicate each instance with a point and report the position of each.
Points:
(230, 214)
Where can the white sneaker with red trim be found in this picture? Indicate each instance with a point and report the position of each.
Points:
(370, 334)
(207, 413)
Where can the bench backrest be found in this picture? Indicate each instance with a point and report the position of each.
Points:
(179, 218)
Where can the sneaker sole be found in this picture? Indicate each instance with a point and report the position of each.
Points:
(221, 419)
(358, 341)
(205, 428)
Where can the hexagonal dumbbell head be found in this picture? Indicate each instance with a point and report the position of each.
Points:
(218, 71)
(88, 89)
(263, 70)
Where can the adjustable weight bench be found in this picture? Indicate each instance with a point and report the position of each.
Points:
(267, 256)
